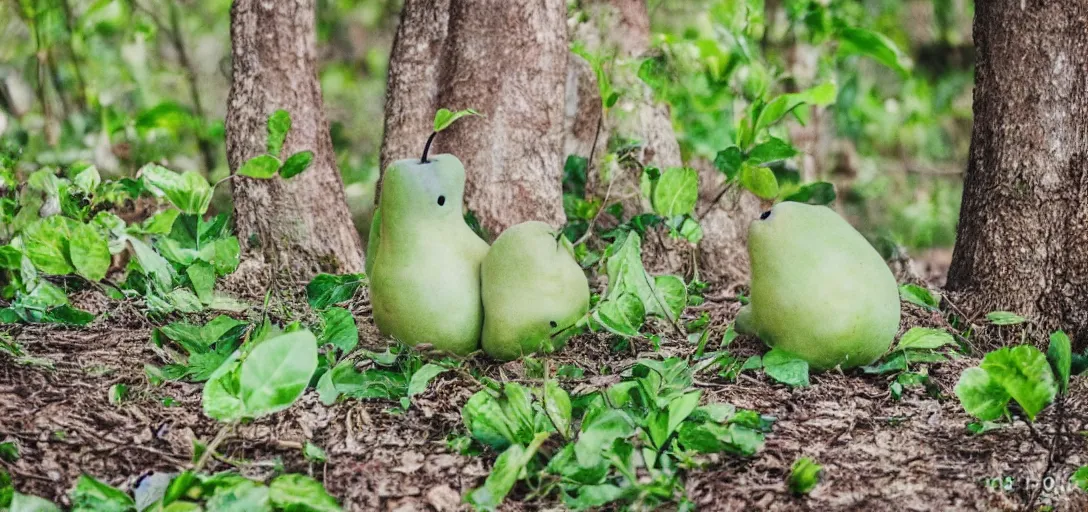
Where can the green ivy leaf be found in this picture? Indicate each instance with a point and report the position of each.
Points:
(444, 117)
(46, 244)
(276, 372)
(10, 257)
(1060, 355)
(90, 495)
(786, 368)
(729, 161)
(87, 180)
(260, 167)
(759, 180)
(859, 41)
(152, 265)
(772, 150)
(27, 503)
(804, 475)
(161, 223)
(239, 495)
(598, 432)
(924, 338)
(226, 255)
(279, 123)
(622, 315)
(982, 396)
(202, 277)
(776, 109)
(486, 421)
(504, 474)
(672, 291)
(818, 193)
(326, 289)
(676, 192)
(296, 164)
(1025, 375)
(340, 329)
(919, 296)
(1080, 478)
(423, 377)
(558, 408)
(89, 251)
(188, 191)
(300, 492)
(1005, 318)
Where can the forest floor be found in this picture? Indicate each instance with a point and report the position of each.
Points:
(878, 453)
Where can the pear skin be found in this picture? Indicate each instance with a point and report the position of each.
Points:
(425, 282)
(819, 289)
(372, 240)
(533, 291)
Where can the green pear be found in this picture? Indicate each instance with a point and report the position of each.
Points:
(533, 291)
(372, 240)
(425, 276)
(819, 289)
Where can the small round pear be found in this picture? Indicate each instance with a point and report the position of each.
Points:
(533, 291)
(819, 289)
(425, 268)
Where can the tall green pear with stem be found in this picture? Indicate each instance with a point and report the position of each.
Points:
(424, 260)
(534, 292)
(819, 289)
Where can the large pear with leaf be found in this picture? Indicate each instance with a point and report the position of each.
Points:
(424, 259)
(533, 291)
(819, 289)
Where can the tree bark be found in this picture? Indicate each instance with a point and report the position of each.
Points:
(411, 97)
(1023, 230)
(508, 60)
(301, 225)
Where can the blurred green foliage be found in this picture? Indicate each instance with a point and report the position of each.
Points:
(120, 83)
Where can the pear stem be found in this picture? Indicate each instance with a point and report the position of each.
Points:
(427, 148)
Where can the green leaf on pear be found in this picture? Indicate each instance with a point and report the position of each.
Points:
(444, 117)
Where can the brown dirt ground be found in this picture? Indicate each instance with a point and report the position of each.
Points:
(878, 454)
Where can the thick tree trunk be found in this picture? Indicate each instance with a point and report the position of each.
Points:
(1023, 230)
(506, 59)
(301, 225)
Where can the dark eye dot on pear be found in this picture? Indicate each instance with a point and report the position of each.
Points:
(764, 215)
(553, 324)
(441, 200)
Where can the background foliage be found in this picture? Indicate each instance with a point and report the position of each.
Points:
(120, 83)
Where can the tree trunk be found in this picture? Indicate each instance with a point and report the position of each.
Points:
(411, 97)
(1023, 230)
(301, 225)
(506, 59)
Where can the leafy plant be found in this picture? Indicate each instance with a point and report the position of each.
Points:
(205, 347)
(649, 424)
(1005, 318)
(1020, 373)
(187, 491)
(397, 374)
(919, 296)
(324, 290)
(917, 345)
(632, 294)
(804, 475)
(267, 165)
(1080, 478)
